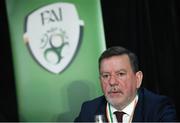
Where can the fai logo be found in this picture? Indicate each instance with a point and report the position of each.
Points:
(53, 34)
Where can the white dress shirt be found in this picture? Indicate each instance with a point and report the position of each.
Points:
(129, 110)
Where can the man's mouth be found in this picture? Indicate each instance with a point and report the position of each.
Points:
(115, 93)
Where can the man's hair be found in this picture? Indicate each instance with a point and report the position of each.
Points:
(117, 51)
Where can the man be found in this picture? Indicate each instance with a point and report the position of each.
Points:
(120, 81)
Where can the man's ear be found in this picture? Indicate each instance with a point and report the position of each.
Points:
(139, 77)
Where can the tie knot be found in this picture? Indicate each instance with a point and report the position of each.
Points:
(119, 115)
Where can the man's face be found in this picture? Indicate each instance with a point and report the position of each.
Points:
(119, 82)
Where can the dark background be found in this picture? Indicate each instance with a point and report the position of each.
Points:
(150, 28)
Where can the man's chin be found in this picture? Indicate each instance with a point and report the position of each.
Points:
(114, 100)
(116, 103)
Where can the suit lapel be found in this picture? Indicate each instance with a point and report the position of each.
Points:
(101, 110)
(138, 113)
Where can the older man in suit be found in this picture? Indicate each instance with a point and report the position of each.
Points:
(124, 100)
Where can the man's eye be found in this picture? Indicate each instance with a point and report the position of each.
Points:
(121, 74)
(105, 76)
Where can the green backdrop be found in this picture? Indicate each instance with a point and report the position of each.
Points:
(43, 95)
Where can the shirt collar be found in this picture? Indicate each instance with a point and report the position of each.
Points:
(129, 108)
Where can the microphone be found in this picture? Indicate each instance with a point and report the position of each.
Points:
(99, 118)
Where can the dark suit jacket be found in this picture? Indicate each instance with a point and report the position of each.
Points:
(150, 108)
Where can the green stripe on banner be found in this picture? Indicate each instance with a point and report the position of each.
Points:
(55, 45)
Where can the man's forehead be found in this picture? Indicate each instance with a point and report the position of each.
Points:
(116, 58)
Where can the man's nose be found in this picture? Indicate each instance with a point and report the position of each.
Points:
(113, 80)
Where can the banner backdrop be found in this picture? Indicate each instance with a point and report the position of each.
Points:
(55, 45)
